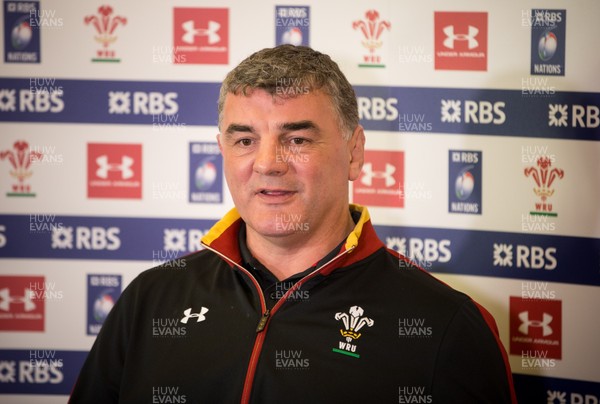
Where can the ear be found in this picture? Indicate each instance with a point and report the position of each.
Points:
(356, 148)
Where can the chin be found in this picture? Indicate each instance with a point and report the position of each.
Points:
(280, 229)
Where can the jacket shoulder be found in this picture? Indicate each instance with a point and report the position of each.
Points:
(185, 266)
(403, 273)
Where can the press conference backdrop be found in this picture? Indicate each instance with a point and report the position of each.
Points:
(482, 163)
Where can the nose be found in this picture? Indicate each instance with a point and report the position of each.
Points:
(270, 158)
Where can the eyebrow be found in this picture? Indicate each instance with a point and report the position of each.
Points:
(286, 127)
(300, 125)
(236, 127)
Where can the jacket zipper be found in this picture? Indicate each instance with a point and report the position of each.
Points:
(263, 323)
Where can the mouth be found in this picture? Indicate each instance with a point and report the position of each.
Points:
(274, 192)
(275, 195)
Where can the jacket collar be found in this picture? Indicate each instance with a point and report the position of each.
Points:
(360, 243)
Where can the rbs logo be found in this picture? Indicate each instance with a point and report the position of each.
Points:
(2, 236)
(142, 103)
(582, 116)
(180, 239)
(377, 109)
(476, 112)
(423, 251)
(86, 238)
(28, 372)
(533, 257)
(31, 101)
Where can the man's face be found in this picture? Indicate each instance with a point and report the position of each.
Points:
(286, 163)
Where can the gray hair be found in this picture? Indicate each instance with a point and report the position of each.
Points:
(289, 71)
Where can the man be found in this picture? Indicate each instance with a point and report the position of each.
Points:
(294, 299)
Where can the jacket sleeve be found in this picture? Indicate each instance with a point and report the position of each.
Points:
(472, 365)
(99, 380)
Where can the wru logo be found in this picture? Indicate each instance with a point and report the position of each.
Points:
(353, 322)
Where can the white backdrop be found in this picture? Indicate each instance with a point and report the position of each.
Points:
(73, 236)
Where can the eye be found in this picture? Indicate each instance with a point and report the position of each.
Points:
(297, 141)
(244, 142)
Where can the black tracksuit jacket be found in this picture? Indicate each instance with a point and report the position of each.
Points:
(365, 327)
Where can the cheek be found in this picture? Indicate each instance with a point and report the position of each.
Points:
(231, 172)
(327, 177)
(234, 166)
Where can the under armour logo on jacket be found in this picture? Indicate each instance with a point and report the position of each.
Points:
(199, 316)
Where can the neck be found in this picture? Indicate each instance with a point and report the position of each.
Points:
(288, 255)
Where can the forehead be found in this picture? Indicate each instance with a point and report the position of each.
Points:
(259, 103)
(277, 98)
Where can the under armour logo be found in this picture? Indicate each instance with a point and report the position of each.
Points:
(191, 31)
(188, 314)
(469, 37)
(124, 167)
(526, 323)
(369, 174)
(6, 299)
